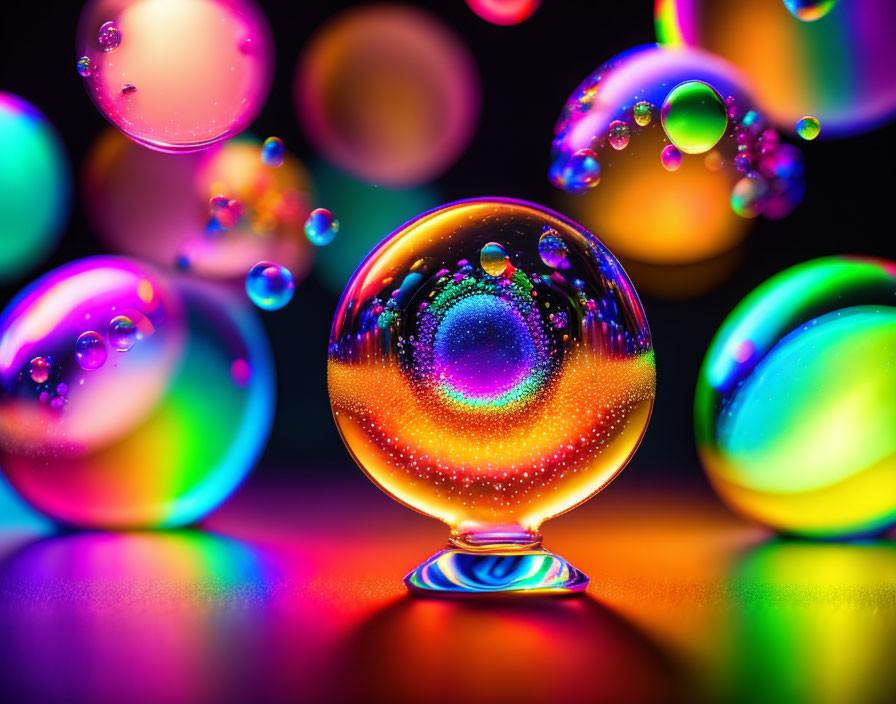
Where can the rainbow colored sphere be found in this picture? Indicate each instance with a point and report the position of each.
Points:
(176, 76)
(486, 377)
(796, 400)
(836, 61)
(151, 400)
(35, 187)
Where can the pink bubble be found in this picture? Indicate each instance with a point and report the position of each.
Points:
(504, 12)
(671, 157)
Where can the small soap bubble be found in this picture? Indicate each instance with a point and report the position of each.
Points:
(39, 369)
(122, 333)
(90, 350)
(128, 88)
(321, 227)
(272, 152)
(85, 67)
(109, 36)
(62, 389)
(671, 157)
(552, 249)
(808, 128)
(493, 259)
(619, 134)
(269, 286)
(582, 171)
(642, 113)
(748, 197)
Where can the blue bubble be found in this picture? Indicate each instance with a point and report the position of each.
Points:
(272, 152)
(321, 227)
(270, 286)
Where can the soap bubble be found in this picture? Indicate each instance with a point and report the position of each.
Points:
(35, 187)
(796, 400)
(491, 402)
(552, 249)
(173, 76)
(504, 12)
(840, 68)
(272, 152)
(388, 93)
(269, 286)
(698, 122)
(808, 128)
(85, 68)
(90, 350)
(123, 333)
(809, 10)
(260, 215)
(493, 259)
(321, 227)
(39, 369)
(157, 436)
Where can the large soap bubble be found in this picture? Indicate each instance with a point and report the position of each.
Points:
(839, 67)
(490, 365)
(165, 420)
(651, 148)
(176, 76)
(388, 93)
(35, 187)
(796, 401)
(159, 206)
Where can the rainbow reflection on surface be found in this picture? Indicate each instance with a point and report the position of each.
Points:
(626, 114)
(796, 400)
(158, 434)
(389, 93)
(491, 402)
(157, 206)
(176, 76)
(841, 67)
(35, 187)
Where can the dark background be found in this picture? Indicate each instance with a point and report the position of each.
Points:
(527, 72)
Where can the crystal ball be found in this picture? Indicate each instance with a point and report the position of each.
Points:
(176, 76)
(796, 400)
(833, 60)
(490, 365)
(128, 398)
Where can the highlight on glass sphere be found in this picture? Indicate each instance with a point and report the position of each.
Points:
(214, 214)
(388, 93)
(490, 365)
(35, 187)
(176, 76)
(504, 12)
(269, 286)
(321, 227)
(655, 150)
(130, 399)
(833, 60)
(796, 400)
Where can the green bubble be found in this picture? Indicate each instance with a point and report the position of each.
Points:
(808, 128)
(694, 117)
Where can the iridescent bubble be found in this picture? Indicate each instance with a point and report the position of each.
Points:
(748, 197)
(90, 350)
(670, 157)
(109, 36)
(321, 227)
(39, 369)
(796, 400)
(808, 127)
(504, 12)
(809, 10)
(85, 68)
(155, 437)
(272, 152)
(122, 333)
(269, 286)
(493, 259)
(618, 135)
(694, 117)
(580, 172)
(171, 75)
(642, 113)
(552, 249)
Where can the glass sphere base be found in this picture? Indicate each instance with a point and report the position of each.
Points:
(455, 572)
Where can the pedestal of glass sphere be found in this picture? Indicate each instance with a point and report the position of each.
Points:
(490, 365)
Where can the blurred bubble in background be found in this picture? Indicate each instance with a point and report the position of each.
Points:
(159, 206)
(35, 187)
(504, 12)
(388, 93)
(150, 402)
(841, 67)
(176, 76)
